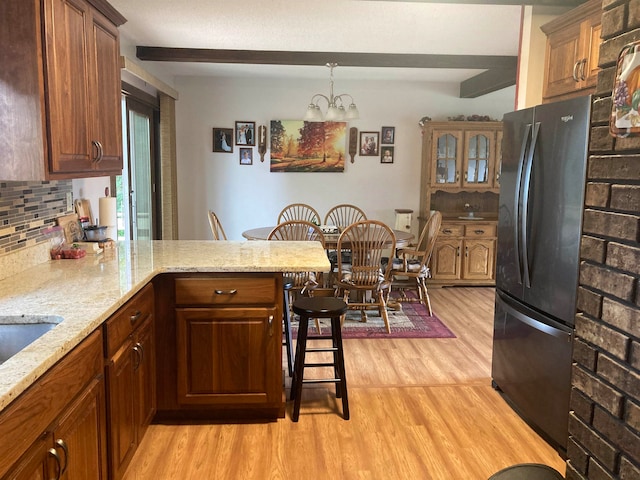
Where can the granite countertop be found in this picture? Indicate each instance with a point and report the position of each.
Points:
(85, 292)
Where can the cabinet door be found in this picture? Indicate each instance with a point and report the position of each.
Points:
(122, 411)
(79, 437)
(478, 159)
(105, 87)
(562, 64)
(591, 31)
(226, 356)
(446, 158)
(145, 369)
(479, 257)
(445, 259)
(36, 462)
(68, 95)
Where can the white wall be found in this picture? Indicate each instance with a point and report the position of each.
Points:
(250, 196)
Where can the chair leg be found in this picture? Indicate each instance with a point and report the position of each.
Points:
(426, 295)
(287, 332)
(337, 335)
(298, 372)
(383, 311)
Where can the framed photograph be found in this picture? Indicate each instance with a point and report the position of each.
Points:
(369, 144)
(245, 133)
(387, 154)
(246, 156)
(223, 140)
(388, 135)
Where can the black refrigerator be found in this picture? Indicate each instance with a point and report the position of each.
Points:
(542, 185)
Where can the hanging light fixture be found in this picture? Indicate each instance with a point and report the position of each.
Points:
(335, 108)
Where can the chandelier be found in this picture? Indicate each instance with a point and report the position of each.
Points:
(335, 108)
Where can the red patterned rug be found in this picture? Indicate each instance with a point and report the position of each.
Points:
(412, 321)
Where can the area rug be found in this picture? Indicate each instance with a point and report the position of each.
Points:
(412, 321)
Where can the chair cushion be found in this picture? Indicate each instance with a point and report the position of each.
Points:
(413, 266)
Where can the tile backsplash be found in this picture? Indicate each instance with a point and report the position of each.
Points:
(27, 209)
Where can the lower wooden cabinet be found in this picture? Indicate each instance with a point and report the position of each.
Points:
(464, 254)
(221, 338)
(73, 445)
(130, 377)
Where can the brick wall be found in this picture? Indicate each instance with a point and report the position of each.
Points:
(28, 208)
(604, 424)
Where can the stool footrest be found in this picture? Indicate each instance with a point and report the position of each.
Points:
(319, 365)
(319, 349)
(323, 380)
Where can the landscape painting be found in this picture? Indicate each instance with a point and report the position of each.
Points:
(299, 146)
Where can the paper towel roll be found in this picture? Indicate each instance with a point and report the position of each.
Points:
(108, 215)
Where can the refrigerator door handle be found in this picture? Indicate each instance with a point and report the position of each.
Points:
(541, 326)
(524, 224)
(516, 209)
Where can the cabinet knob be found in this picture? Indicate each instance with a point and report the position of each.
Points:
(134, 318)
(478, 232)
(447, 231)
(270, 322)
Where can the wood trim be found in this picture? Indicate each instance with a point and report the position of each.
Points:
(104, 7)
(546, 3)
(349, 59)
(569, 18)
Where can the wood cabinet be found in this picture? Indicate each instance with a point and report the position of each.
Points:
(461, 155)
(63, 82)
(464, 253)
(572, 54)
(58, 424)
(221, 338)
(130, 352)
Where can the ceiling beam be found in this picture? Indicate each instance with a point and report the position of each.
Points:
(487, 82)
(344, 59)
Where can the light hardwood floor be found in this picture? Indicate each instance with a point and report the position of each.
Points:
(420, 409)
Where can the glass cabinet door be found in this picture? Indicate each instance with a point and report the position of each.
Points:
(446, 151)
(478, 159)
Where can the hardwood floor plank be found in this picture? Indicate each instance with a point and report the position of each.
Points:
(420, 408)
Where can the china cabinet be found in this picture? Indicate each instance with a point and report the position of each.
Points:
(572, 53)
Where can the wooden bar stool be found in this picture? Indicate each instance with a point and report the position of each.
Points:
(319, 307)
(287, 341)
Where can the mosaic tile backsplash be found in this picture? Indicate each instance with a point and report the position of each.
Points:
(27, 209)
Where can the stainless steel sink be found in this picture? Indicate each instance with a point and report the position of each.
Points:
(18, 331)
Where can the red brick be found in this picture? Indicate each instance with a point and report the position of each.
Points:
(633, 21)
(632, 415)
(598, 472)
(602, 336)
(614, 167)
(606, 280)
(624, 257)
(598, 391)
(578, 455)
(605, 82)
(625, 198)
(592, 442)
(628, 471)
(620, 316)
(572, 473)
(601, 110)
(592, 248)
(610, 224)
(597, 194)
(584, 354)
(619, 375)
(600, 140)
(581, 405)
(617, 433)
(613, 21)
(610, 49)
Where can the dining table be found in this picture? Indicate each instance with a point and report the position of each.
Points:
(331, 239)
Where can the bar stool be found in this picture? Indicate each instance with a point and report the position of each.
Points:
(287, 341)
(319, 307)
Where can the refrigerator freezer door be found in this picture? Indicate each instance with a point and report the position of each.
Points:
(532, 366)
(517, 128)
(553, 211)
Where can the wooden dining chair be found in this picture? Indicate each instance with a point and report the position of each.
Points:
(367, 241)
(410, 270)
(344, 215)
(299, 211)
(216, 227)
(303, 282)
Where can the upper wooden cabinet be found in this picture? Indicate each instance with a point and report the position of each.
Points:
(573, 49)
(60, 90)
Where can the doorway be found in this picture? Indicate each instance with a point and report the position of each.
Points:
(136, 190)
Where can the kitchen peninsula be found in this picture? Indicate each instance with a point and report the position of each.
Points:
(91, 295)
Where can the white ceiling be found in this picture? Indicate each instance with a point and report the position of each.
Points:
(324, 26)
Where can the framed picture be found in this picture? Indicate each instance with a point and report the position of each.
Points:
(223, 140)
(388, 135)
(246, 156)
(369, 143)
(387, 154)
(245, 133)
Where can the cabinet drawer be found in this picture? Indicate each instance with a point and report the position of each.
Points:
(480, 230)
(452, 230)
(122, 323)
(225, 291)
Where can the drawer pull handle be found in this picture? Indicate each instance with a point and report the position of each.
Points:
(233, 291)
(270, 322)
(134, 318)
(478, 232)
(139, 349)
(54, 454)
(447, 231)
(61, 443)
